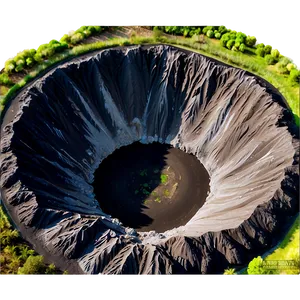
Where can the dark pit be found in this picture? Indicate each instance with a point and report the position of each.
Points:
(151, 187)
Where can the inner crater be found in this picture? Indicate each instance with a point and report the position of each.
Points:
(151, 186)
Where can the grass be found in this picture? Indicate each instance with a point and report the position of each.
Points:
(285, 259)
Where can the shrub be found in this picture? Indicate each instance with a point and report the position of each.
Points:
(242, 48)
(229, 272)
(241, 37)
(218, 35)
(8, 237)
(65, 39)
(125, 43)
(222, 29)
(25, 252)
(260, 51)
(29, 61)
(65, 274)
(255, 267)
(210, 33)
(270, 59)
(207, 28)
(38, 57)
(157, 33)
(224, 39)
(94, 28)
(2, 260)
(250, 41)
(9, 65)
(76, 38)
(33, 265)
(230, 44)
(284, 61)
(234, 48)
(232, 35)
(237, 44)
(268, 49)
(198, 31)
(32, 52)
(290, 66)
(50, 269)
(169, 29)
(5, 80)
(294, 76)
(192, 32)
(275, 53)
(186, 32)
(261, 45)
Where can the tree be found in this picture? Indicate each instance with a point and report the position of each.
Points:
(294, 76)
(250, 41)
(256, 267)
(33, 265)
(268, 49)
(210, 33)
(224, 39)
(218, 35)
(270, 59)
(275, 53)
(260, 51)
(76, 38)
(242, 48)
(290, 66)
(5, 80)
(9, 65)
(24, 253)
(230, 44)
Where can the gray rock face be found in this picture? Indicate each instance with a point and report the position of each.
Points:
(57, 131)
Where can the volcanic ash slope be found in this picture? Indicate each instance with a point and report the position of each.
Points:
(57, 131)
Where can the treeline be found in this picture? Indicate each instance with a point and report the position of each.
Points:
(16, 257)
(29, 58)
(238, 42)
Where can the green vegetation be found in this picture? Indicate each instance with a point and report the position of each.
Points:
(65, 274)
(143, 173)
(167, 193)
(244, 53)
(229, 272)
(255, 267)
(35, 265)
(5, 80)
(16, 257)
(288, 250)
(283, 262)
(157, 199)
(28, 58)
(163, 178)
(231, 47)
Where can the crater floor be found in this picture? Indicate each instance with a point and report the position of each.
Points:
(151, 187)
